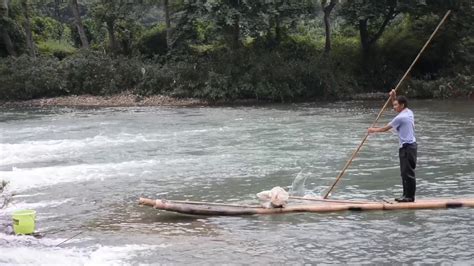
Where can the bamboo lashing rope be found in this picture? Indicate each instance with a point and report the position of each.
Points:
(348, 163)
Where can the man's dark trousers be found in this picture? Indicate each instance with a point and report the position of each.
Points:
(407, 154)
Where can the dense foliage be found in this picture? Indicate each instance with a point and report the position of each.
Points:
(279, 50)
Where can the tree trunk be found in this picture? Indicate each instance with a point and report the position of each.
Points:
(387, 18)
(236, 33)
(29, 36)
(78, 22)
(327, 24)
(8, 42)
(277, 30)
(367, 42)
(57, 11)
(168, 23)
(112, 40)
(364, 37)
(5, 36)
(4, 8)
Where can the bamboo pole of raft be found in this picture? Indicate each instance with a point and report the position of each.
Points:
(348, 163)
(213, 203)
(210, 209)
(331, 201)
(148, 202)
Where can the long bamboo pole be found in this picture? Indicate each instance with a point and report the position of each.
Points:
(348, 163)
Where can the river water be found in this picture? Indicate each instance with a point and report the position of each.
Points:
(83, 171)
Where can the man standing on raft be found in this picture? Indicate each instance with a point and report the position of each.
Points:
(404, 124)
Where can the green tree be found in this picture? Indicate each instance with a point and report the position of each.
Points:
(5, 24)
(169, 9)
(371, 18)
(111, 13)
(27, 26)
(78, 22)
(233, 20)
(327, 9)
(278, 17)
(166, 7)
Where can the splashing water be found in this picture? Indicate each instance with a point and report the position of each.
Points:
(298, 185)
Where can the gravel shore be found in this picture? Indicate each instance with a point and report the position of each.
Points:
(119, 100)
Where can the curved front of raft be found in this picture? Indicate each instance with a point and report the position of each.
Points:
(207, 208)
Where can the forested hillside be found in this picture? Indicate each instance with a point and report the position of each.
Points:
(270, 50)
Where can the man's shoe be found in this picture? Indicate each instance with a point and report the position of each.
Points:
(404, 199)
(399, 199)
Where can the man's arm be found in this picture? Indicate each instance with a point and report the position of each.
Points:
(387, 127)
(379, 129)
(393, 95)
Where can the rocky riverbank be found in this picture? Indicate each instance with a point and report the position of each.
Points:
(119, 100)
(133, 100)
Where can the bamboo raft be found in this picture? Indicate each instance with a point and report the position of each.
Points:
(209, 208)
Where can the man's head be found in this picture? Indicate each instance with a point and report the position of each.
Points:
(400, 103)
